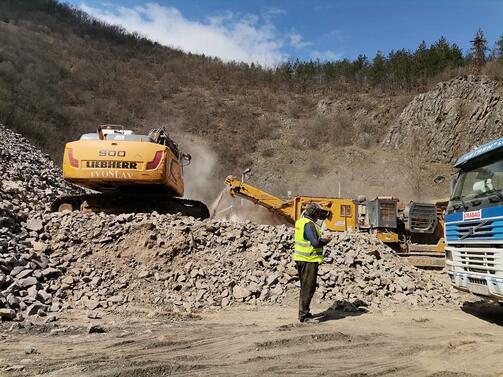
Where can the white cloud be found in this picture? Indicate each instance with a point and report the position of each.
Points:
(228, 36)
(271, 13)
(337, 34)
(326, 55)
(297, 41)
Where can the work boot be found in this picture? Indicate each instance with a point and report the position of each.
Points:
(310, 320)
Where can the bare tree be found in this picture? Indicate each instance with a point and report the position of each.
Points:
(414, 164)
(479, 48)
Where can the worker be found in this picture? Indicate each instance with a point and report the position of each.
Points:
(308, 255)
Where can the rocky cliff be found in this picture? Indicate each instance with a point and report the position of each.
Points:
(450, 119)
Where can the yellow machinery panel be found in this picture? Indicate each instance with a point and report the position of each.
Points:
(341, 213)
(105, 164)
(387, 237)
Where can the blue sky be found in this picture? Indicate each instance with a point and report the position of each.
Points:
(271, 31)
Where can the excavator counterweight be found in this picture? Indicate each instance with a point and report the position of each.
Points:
(130, 172)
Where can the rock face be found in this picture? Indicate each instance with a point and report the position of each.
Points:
(451, 119)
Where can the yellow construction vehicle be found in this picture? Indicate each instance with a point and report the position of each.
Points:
(411, 230)
(379, 216)
(130, 172)
(339, 214)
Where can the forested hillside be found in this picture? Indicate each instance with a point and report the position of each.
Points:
(63, 72)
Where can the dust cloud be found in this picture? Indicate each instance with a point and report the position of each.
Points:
(235, 209)
(199, 176)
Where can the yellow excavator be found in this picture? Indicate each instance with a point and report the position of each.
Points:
(128, 172)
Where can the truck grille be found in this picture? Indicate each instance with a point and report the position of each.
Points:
(479, 261)
(477, 281)
(475, 230)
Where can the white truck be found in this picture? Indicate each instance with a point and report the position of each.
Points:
(474, 223)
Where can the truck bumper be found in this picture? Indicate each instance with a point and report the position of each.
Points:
(489, 287)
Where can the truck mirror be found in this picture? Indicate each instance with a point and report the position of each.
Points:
(451, 185)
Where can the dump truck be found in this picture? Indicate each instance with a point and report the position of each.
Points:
(411, 229)
(474, 223)
(127, 172)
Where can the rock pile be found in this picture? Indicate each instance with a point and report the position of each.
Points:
(186, 264)
(53, 261)
(30, 181)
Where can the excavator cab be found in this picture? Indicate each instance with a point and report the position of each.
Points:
(160, 136)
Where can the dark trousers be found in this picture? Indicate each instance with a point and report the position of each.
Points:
(308, 272)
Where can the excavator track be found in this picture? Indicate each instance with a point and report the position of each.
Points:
(116, 203)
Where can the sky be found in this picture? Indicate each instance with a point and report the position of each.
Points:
(269, 32)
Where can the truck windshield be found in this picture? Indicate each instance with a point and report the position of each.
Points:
(480, 181)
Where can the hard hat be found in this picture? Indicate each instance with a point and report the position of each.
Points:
(313, 210)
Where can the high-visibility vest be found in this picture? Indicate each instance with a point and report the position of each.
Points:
(304, 251)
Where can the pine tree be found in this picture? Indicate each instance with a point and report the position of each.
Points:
(499, 49)
(479, 48)
(378, 69)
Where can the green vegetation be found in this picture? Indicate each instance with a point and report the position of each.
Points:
(399, 70)
(499, 49)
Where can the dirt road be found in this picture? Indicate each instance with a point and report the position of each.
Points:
(264, 341)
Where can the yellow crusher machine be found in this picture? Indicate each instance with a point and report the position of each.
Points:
(128, 173)
(414, 230)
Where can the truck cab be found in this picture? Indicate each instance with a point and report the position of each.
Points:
(474, 222)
